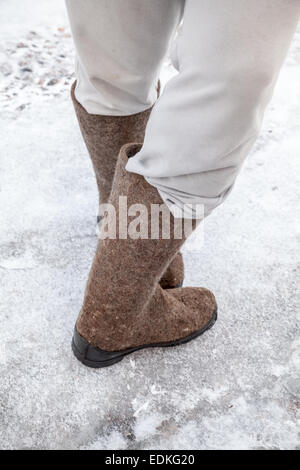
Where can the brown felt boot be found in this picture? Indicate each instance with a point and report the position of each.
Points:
(125, 308)
(104, 136)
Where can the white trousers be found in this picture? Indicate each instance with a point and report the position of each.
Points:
(228, 55)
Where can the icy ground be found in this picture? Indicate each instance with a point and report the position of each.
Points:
(238, 386)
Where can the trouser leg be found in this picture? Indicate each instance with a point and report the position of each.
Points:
(229, 55)
(120, 47)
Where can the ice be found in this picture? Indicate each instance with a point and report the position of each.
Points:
(237, 387)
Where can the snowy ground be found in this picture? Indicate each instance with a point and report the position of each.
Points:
(238, 387)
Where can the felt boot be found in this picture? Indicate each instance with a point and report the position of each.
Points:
(125, 308)
(104, 136)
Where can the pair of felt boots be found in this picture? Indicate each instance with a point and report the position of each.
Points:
(133, 297)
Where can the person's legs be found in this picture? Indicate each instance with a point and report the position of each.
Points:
(202, 128)
(120, 47)
(124, 307)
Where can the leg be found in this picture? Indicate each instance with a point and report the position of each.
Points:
(124, 307)
(229, 57)
(120, 47)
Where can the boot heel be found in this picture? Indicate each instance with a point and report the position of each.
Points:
(91, 356)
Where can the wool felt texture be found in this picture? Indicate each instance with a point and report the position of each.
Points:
(104, 136)
(124, 305)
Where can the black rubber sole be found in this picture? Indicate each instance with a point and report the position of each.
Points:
(92, 356)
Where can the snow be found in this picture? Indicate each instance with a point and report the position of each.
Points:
(237, 387)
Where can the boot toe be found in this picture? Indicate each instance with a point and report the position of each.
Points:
(199, 302)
